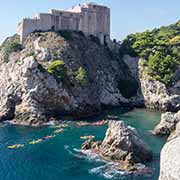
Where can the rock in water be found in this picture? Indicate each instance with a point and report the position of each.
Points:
(123, 143)
(91, 145)
(168, 123)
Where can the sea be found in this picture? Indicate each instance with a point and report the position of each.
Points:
(61, 158)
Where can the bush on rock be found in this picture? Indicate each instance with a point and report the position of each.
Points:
(58, 69)
(81, 76)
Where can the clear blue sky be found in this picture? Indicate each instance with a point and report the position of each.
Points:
(127, 16)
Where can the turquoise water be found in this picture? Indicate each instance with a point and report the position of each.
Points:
(59, 158)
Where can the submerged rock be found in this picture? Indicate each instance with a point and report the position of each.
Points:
(122, 144)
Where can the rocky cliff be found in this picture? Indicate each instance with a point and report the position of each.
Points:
(54, 74)
(62, 73)
(170, 164)
(155, 94)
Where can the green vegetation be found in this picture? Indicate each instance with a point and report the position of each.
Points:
(8, 48)
(11, 44)
(58, 69)
(128, 88)
(162, 67)
(81, 76)
(159, 47)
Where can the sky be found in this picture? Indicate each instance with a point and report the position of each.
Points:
(127, 16)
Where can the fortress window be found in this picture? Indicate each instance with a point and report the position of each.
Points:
(60, 13)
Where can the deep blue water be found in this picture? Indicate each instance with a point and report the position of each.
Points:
(59, 159)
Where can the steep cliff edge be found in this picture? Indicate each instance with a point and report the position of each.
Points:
(170, 163)
(158, 65)
(62, 73)
(156, 94)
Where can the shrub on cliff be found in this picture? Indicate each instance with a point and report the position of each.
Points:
(11, 44)
(58, 69)
(165, 41)
(81, 76)
(162, 67)
(8, 48)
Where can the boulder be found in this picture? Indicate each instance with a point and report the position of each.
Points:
(121, 144)
(91, 145)
(168, 123)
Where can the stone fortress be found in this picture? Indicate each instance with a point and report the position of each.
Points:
(89, 18)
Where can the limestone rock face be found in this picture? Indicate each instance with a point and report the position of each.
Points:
(168, 123)
(31, 95)
(123, 143)
(26, 92)
(155, 94)
(170, 160)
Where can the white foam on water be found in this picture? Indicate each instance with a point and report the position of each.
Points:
(73, 153)
(89, 155)
(139, 166)
(108, 171)
(50, 123)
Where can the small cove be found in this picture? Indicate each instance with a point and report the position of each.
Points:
(59, 157)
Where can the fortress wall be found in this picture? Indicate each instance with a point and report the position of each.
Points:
(70, 23)
(67, 20)
(89, 18)
(47, 22)
(29, 26)
(96, 21)
(64, 13)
